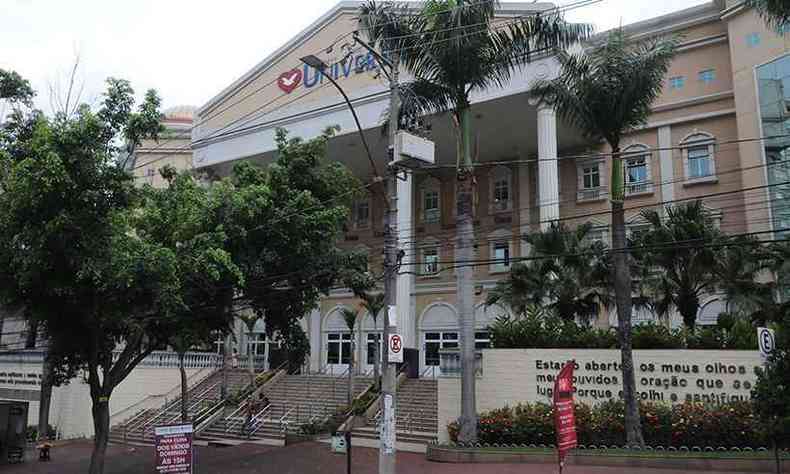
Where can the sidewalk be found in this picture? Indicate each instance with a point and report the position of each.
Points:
(303, 458)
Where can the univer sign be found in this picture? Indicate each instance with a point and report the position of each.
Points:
(309, 77)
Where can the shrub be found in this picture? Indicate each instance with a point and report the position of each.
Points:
(650, 335)
(688, 424)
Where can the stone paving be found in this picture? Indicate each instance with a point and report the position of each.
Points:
(303, 458)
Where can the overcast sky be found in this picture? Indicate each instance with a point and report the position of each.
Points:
(188, 50)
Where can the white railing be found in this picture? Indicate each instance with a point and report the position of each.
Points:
(450, 363)
(157, 359)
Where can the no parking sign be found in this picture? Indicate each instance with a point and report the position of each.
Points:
(395, 348)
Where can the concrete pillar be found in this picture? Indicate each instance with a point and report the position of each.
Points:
(523, 207)
(548, 173)
(315, 339)
(666, 165)
(405, 283)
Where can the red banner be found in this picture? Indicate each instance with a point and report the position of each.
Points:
(173, 446)
(564, 418)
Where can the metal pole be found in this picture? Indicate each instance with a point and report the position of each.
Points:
(387, 432)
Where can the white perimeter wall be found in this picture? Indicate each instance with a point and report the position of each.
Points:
(511, 376)
(71, 404)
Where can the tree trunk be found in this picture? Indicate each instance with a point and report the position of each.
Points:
(45, 399)
(184, 393)
(101, 427)
(465, 252)
(622, 291)
(376, 371)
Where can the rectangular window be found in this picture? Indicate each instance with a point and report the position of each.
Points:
(636, 170)
(591, 177)
(362, 215)
(753, 40)
(501, 191)
(333, 349)
(677, 82)
(373, 339)
(449, 340)
(707, 76)
(431, 203)
(502, 255)
(482, 340)
(430, 259)
(699, 161)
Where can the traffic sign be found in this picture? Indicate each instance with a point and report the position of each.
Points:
(765, 338)
(395, 348)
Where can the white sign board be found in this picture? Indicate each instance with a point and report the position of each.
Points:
(387, 433)
(392, 316)
(412, 147)
(765, 338)
(395, 346)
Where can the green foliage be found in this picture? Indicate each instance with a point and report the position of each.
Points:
(31, 433)
(776, 13)
(771, 394)
(361, 404)
(689, 424)
(540, 330)
(14, 88)
(677, 258)
(569, 274)
(296, 346)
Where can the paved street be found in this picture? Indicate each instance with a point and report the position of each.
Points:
(304, 458)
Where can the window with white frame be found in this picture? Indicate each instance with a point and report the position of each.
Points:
(501, 195)
(677, 82)
(500, 256)
(637, 170)
(430, 261)
(361, 214)
(699, 157)
(431, 212)
(590, 181)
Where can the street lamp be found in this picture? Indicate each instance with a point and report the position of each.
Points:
(319, 65)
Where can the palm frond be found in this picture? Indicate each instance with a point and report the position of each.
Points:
(776, 13)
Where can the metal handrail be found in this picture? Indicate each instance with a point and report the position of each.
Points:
(257, 420)
(284, 420)
(162, 413)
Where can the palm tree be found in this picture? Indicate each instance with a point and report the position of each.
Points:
(738, 270)
(605, 94)
(350, 317)
(678, 260)
(567, 274)
(452, 50)
(373, 304)
(776, 13)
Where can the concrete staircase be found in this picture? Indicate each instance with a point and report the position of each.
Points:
(416, 414)
(203, 397)
(294, 400)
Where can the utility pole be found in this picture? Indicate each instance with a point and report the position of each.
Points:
(387, 435)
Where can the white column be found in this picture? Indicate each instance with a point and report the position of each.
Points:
(523, 207)
(548, 174)
(315, 339)
(666, 165)
(405, 284)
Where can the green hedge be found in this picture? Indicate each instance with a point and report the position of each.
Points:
(689, 424)
(541, 332)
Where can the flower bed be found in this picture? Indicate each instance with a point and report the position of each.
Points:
(689, 424)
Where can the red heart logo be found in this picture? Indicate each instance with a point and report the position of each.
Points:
(290, 80)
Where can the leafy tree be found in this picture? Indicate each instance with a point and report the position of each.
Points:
(771, 394)
(182, 218)
(776, 13)
(678, 258)
(374, 304)
(14, 88)
(69, 253)
(567, 274)
(453, 49)
(350, 317)
(605, 94)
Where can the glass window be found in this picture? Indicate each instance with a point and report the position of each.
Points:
(372, 340)
(707, 76)
(501, 191)
(591, 177)
(345, 352)
(699, 161)
(431, 203)
(677, 82)
(333, 351)
(636, 170)
(362, 214)
(432, 353)
(753, 40)
(502, 254)
(482, 340)
(430, 260)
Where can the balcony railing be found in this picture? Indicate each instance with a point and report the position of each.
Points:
(450, 363)
(157, 359)
(639, 188)
(591, 194)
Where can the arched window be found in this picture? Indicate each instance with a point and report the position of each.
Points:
(699, 159)
(501, 189)
(637, 170)
(430, 201)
